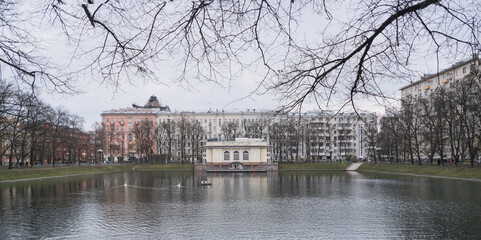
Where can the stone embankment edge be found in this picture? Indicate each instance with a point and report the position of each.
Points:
(82, 174)
(50, 177)
(422, 175)
(280, 170)
(310, 170)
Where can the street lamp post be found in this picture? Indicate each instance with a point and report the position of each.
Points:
(101, 155)
(378, 150)
(330, 156)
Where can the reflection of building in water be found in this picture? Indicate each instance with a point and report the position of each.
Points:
(237, 185)
(242, 154)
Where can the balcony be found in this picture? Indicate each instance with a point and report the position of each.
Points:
(427, 87)
(446, 80)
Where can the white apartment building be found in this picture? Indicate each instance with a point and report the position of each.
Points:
(212, 122)
(337, 137)
(325, 136)
(447, 78)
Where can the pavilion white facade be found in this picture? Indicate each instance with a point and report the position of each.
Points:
(242, 154)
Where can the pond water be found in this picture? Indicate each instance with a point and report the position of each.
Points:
(288, 205)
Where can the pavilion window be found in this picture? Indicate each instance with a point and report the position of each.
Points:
(245, 156)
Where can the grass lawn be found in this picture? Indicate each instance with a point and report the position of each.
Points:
(462, 171)
(313, 166)
(28, 173)
(443, 171)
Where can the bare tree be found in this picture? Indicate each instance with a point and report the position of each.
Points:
(454, 121)
(144, 132)
(211, 40)
(308, 138)
(57, 120)
(20, 54)
(111, 137)
(13, 119)
(276, 136)
(467, 97)
(166, 133)
(439, 102)
(254, 128)
(372, 137)
(38, 131)
(98, 138)
(293, 138)
(160, 138)
(182, 128)
(196, 134)
(230, 129)
(344, 136)
(410, 126)
(75, 138)
(330, 139)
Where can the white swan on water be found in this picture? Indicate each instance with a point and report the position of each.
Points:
(179, 186)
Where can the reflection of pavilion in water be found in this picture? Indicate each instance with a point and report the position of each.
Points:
(240, 155)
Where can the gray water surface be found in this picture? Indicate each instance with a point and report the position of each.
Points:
(292, 205)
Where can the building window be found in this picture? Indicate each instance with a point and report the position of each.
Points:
(464, 69)
(226, 156)
(236, 156)
(245, 156)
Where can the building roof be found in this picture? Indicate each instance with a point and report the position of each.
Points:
(152, 106)
(153, 102)
(238, 142)
(427, 76)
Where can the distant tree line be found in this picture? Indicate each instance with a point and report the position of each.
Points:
(32, 132)
(444, 127)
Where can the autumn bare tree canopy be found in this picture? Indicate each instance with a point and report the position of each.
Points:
(301, 51)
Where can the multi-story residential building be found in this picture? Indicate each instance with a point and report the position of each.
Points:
(325, 136)
(447, 78)
(181, 136)
(223, 124)
(120, 128)
(430, 118)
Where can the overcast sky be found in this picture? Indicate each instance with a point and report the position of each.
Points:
(98, 99)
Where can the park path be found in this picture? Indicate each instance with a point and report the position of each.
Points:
(353, 166)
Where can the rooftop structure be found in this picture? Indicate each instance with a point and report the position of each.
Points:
(153, 103)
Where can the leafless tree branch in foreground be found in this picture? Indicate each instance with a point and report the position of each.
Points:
(301, 51)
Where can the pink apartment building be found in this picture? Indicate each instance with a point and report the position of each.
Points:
(126, 128)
